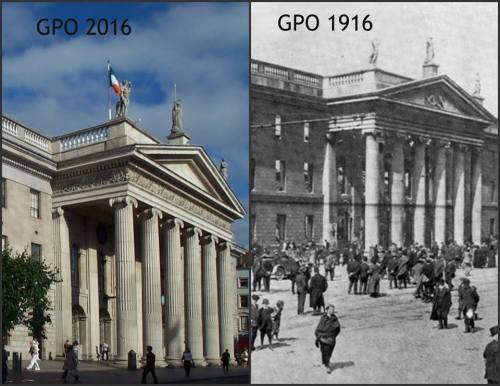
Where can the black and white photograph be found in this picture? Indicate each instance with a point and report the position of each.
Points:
(374, 192)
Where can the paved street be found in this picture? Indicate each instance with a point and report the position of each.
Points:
(93, 372)
(389, 339)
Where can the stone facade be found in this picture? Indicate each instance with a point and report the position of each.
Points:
(391, 159)
(125, 220)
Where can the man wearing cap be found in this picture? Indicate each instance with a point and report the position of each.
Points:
(491, 357)
(254, 318)
(353, 271)
(302, 289)
(469, 298)
(326, 333)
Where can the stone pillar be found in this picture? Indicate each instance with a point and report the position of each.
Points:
(227, 298)
(418, 177)
(174, 291)
(459, 201)
(329, 189)
(440, 193)
(476, 196)
(126, 300)
(192, 297)
(372, 181)
(151, 282)
(397, 192)
(62, 305)
(93, 286)
(210, 301)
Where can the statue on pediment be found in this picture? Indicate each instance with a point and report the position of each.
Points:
(429, 51)
(122, 104)
(435, 100)
(374, 55)
(177, 117)
(477, 85)
(223, 169)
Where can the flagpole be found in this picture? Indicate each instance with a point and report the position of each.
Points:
(109, 96)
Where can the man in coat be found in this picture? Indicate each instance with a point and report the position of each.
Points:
(256, 273)
(438, 267)
(302, 290)
(449, 272)
(254, 318)
(403, 267)
(265, 322)
(442, 304)
(294, 270)
(353, 271)
(392, 270)
(326, 334)
(330, 264)
(266, 271)
(363, 275)
(490, 356)
(317, 286)
(469, 297)
(417, 276)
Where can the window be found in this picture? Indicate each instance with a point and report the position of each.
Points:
(408, 184)
(243, 301)
(306, 131)
(280, 175)
(277, 126)
(35, 204)
(492, 226)
(280, 227)
(309, 227)
(252, 173)
(243, 282)
(492, 192)
(341, 175)
(4, 193)
(75, 266)
(4, 242)
(36, 251)
(308, 177)
(244, 323)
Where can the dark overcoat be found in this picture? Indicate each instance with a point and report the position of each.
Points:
(318, 285)
(442, 303)
(327, 330)
(374, 279)
(491, 356)
(265, 319)
(301, 283)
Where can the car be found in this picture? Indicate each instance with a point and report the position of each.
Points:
(284, 266)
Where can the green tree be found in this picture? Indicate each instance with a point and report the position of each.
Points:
(25, 292)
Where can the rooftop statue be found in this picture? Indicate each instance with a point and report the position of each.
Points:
(477, 85)
(429, 51)
(374, 54)
(177, 117)
(122, 104)
(223, 169)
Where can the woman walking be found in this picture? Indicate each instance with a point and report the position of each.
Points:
(70, 365)
(326, 333)
(441, 304)
(34, 351)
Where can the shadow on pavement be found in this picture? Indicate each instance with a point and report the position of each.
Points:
(286, 339)
(341, 365)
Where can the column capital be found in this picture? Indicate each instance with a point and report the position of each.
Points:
(209, 239)
(150, 212)
(173, 222)
(442, 143)
(461, 146)
(192, 230)
(377, 134)
(57, 212)
(127, 200)
(223, 244)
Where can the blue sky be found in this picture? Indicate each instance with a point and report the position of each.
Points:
(59, 83)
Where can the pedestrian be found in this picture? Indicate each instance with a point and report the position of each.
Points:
(266, 323)
(294, 270)
(105, 351)
(246, 357)
(363, 275)
(326, 333)
(34, 351)
(402, 273)
(449, 273)
(256, 273)
(76, 349)
(442, 303)
(428, 280)
(149, 367)
(266, 271)
(469, 297)
(373, 279)
(330, 264)
(460, 302)
(353, 271)
(187, 361)
(277, 318)
(318, 285)
(5, 368)
(392, 270)
(66, 346)
(225, 360)
(302, 290)
(490, 356)
(254, 318)
(70, 365)
(418, 275)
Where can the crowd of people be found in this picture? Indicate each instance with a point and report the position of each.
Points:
(430, 270)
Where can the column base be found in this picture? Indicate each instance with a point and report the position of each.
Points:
(200, 362)
(211, 362)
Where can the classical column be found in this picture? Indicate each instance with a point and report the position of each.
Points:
(210, 301)
(397, 191)
(126, 300)
(440, 193)
(227, 297)
(372, 181)
(329, 189)
(151, 282)
(459, 204)
(174, 290)
(62, 305)
(476, 189)
(419, 191)
(192, 297)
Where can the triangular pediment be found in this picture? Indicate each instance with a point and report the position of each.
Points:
(441, 94)
(192, 166)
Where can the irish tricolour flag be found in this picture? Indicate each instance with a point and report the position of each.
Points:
(113, 81)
